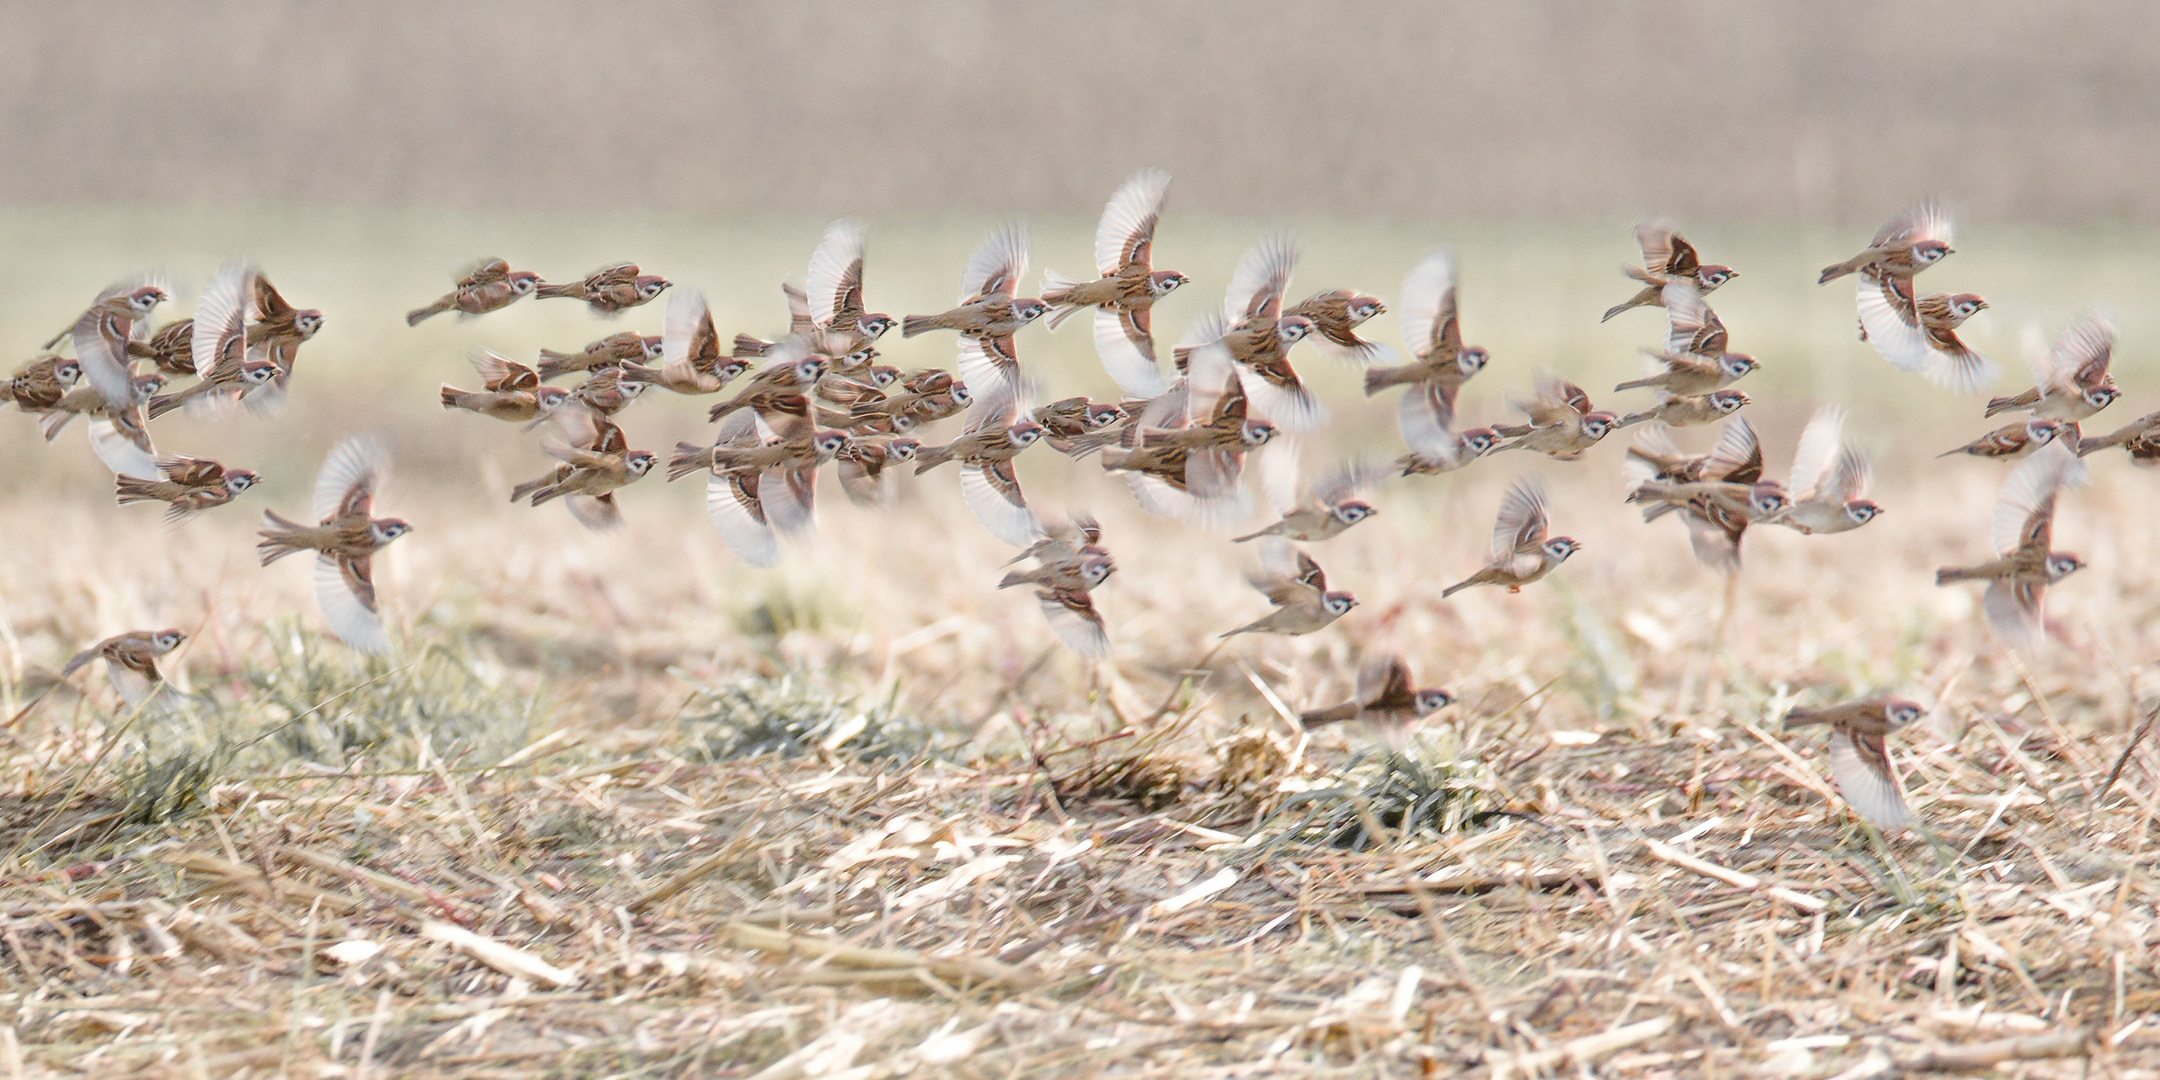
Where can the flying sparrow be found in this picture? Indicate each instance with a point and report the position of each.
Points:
(1686, 374)
(1562, 422)
(1728, 494)
(613, 350)
(489, 286)
(2014, 442)
(1433, 331)
(1074, 619)
(101, 336)
(1128, 285)
(869, 467)
(223, 383)
(834, 292)
(1911, 242)
(119, 437)
(588, 479)
(1675, 410)
(130, 661)
(1521, 552)
(1335, 316)
(1077, 427)
(1258, 336)
(1296, 585)
(1667, 258)
(609, 290)
(1860, 754)
(171, 349)
(2141, 437)
(1829, 479)
(692, 362)
(1389, 703)
(764, 480)
(1464, 448)
(40, 384)
(1317, 512)
(790, 371)
(1920, 335)
(988, 309)
(997, 430)
(2072, 380)
(190, 486)
(509, 390)
(345, 541)
(1194, 439)
(2024, 525)
(277, 333)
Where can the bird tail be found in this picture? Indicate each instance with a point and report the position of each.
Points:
(1017, 577)
(451, 396)
(930, 457)
(688, 458)
(76, 661)
(52, 422)
(277, 538)
(1949, 574)
(1798, 716)
(1056, 289)
(1648, 295)
(531, 487)
(418, 315)
(1322, 717)
(746, 345)
(920, 324)
(1269, 531)
(130, 489)
(1380, 378)
(1456, 588)
(2005, 404)
(574, 290)
(1837, 270)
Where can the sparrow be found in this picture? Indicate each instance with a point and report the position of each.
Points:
(1296, 585)
(789, 372)
(171, 349)
(1258, 335)
(613, 350)
(1064, 541)
(218, 346)
(40, 384)
(1728, 494)
(691, 361)
(997, 430)
(2072, 380)
(1433, 331)
(1077, 427)
(224, 383)
(1667, 258)
(1860, 754)
(345, 540)
(1076, 572)
(277, 333)
(608, 391)
(1184, 456)
(988, 309)
(800, 325)
(1692, 329)
(101, 336)
(1521, 552)
(489, 286)
(1462, 449)
(768, 492)
(1320, 511)
(1920, 335)
(869, 467)
(1335, 316)
(1686, 374)
(2141, 437)
(130, 661)
(190, 486)
(87, 401)
(1829, 479)
(1675, 410)
(1389, 702)
(1911, 242)
(1074, 619)
(834, 292)
(588, 479)
(1127, 286)
(2019, 576)
(609, 290)
(2015, 442)
(1562, 422)
(509, 390)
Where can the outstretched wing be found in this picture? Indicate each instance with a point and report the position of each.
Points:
(1520, 528)
(1126, 235)
(355, 470)
(834, 283)
(996, 266)
(1428, 308)
(345, 590)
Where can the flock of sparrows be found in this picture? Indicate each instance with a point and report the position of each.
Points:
(1180, 438)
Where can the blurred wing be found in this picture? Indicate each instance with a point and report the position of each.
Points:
(835, 277)
(733, 504)
(988, 374)
(1715, 546)
(1073, 618)
(1685, 315)
(1290, 405)
(1127, 232)
(996, 266)
(1522, 520)
(1128, 352)
(1656, 238)
(2025, 510)
(2081, 356)
(1279, 479)
(2013, 609)
(1384, 678)
(220, 317)
(1818, 453)
(1854, 475)
(1887, 314)
(104, 360)
(1428, 305)
(120, 452)
(499, 372)
(993, 495)
(1424, 414)
(1925, 221)
(790, 498)
(1261, 279)
(686, 315)
(1737, 457)
(355, 470)
(346, 593)
(1864, 777)
(596, 512)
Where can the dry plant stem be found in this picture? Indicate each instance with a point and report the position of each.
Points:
(2136, 739)
(1974, 1057)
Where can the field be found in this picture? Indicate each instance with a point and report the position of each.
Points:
(621, 805)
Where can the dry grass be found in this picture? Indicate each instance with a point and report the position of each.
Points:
(621, 806)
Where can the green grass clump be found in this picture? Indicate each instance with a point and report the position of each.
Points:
(795, 715)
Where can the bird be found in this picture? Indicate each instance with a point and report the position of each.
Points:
(1920, 334)
(101, 336)
(997, 429)
(508, 390)
(869, 467)
(2071, 380)
(1389, 703)
(218, 348)
(1432, 329)
(1077, 427)
(1562, 424)
(988, 311)
(833, 292)
(2141, 437)
(189, 486)
(2023, 529)
(170, 348)
(587, 476)
(1521, 551)
(1667, 258)
(1335, 316)
(763, 481)
(1911, 242)
(130, 661)
(790, 371)
(690, 358)
(614, 350)
(1692, 330)
(120, 437)
(1676, 410)
(1184, 455)
(1319, 511)
(1124, 293)
(1296, 585)
(1860, 754)
(609, 290)
(1688, 374)
(276, 334)
(2015, 442)
(1830, 480)
(1449, 453)
(1258, 335)
(1727, 494)
(40, 384)
(1070, 565)
(345, 539)
(489, 286)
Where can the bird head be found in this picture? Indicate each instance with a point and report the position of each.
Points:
(1728, 401)
(1352, 512)
(239, 480)
(1256, 433)
(1096, 569)
(1861, 511)
(1363, 307)
(385, 530)
(1293, 329)
(1029, 309)
(884, 375)
(1338, 604)
(1472, 360)
(874, 325)
(522, 282)
(1102, 414)
(649, 286)
(1898, 712)
(1711, 275)
(1964, 306)
(1162, 282)
(1433, 700)
(1930, 252)
(1559, 548)
(306, 321)
(1736, 364)
(2062, 564)
(1597, 423)
(2100, 397)
(165, 641)
(1479, 441)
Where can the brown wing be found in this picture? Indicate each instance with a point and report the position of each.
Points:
(1737, 457)
(1682, 261)
(1384, 683)
(359, 579)
(2039, 528)
(1309, 573)
(1572, 396)
(268, 303)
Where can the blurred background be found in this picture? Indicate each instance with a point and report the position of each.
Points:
(363, 155)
